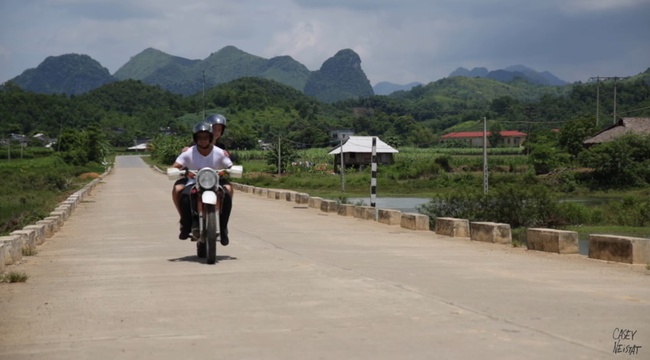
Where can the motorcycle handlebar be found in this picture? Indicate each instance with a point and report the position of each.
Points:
(173, 173)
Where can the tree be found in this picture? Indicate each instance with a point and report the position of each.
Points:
(544, 158)
(283, 150)
(242, 137)
(97, 144)
(72, 147)
(495, 137)
(574, 133)
(621, 162)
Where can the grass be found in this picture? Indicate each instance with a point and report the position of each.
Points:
(419, 173)
(584, 231)
(28, 251)
(37, 186)
(14, 277)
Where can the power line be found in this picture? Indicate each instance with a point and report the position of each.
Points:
(605, 78)
(633, 110)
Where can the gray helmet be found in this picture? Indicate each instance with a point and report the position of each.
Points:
(216, 119)
(200, 127)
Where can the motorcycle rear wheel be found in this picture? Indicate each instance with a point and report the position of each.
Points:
(211, 231)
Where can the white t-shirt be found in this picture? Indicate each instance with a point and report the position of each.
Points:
(193, 160)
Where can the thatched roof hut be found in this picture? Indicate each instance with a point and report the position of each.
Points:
(623, 126)
(357, 151)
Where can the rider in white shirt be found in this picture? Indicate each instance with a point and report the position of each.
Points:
(202, 154)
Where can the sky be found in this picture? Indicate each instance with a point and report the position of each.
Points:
(399, 41)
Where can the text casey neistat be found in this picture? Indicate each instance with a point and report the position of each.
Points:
(621, 336)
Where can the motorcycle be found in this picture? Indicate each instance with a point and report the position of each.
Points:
(205, 200)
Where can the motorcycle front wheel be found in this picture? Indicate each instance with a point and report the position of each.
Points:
(201, 250)
(211, 231)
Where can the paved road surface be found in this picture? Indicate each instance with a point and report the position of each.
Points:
(295, 283)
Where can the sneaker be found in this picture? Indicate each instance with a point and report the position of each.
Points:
(224, 238)
(183, 235)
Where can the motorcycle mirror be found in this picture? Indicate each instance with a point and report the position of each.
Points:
(236, 171)
(174, 173)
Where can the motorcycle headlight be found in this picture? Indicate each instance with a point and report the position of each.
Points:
(207, 178)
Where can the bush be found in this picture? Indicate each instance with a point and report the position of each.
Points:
(165, 149)
(516, 205)
(631, 211)
(570, 213)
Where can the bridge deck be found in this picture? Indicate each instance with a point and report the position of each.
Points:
(297, 283)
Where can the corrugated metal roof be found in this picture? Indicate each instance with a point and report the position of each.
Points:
(475, 134)
(622, 127)
(363, 144)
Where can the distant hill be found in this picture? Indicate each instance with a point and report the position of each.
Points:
(340, 77)
(148, 62)
(387, 88)
(66, 74)
(511, 73)
(475, 72)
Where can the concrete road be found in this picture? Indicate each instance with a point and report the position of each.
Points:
(295, 283)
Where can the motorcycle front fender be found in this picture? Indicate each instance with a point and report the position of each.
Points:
(209, 197)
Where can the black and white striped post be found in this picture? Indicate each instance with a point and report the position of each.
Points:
(373, 179)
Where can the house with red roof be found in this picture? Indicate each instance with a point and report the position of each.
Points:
(510, 138)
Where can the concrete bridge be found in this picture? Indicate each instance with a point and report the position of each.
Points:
(300, 283)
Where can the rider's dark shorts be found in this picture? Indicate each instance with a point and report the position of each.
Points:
(181, 181)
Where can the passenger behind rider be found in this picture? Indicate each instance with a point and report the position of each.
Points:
(202, 154)
(218, 123)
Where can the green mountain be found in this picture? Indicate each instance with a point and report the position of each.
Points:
(387, 88)
(186, 77)
(340, 78)
(286, 70)
(66, 74)
(151, 61)
(510, 74)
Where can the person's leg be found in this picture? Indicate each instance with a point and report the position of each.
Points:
(231, 189)
(224, 216)
(186, 213)
(179, 185)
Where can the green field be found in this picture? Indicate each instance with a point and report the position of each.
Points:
(37, 185)
(32, 187)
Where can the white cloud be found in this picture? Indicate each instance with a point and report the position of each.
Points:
(398, 41)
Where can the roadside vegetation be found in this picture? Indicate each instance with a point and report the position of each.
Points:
(35, 184)
(565, 195)
(550, 181)
(14, 277)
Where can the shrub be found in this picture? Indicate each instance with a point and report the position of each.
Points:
(516, 205)
(571, 213)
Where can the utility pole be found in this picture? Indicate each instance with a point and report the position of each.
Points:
(373, 177)
(597, 98)
(485, 163)
(598, 78)
(279, 154)
(203, 94)
(342, 168)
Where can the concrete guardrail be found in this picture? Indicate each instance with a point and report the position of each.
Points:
(490, 232)
(453, 227)
(552, 240)
(625, 249)
(30, 236)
